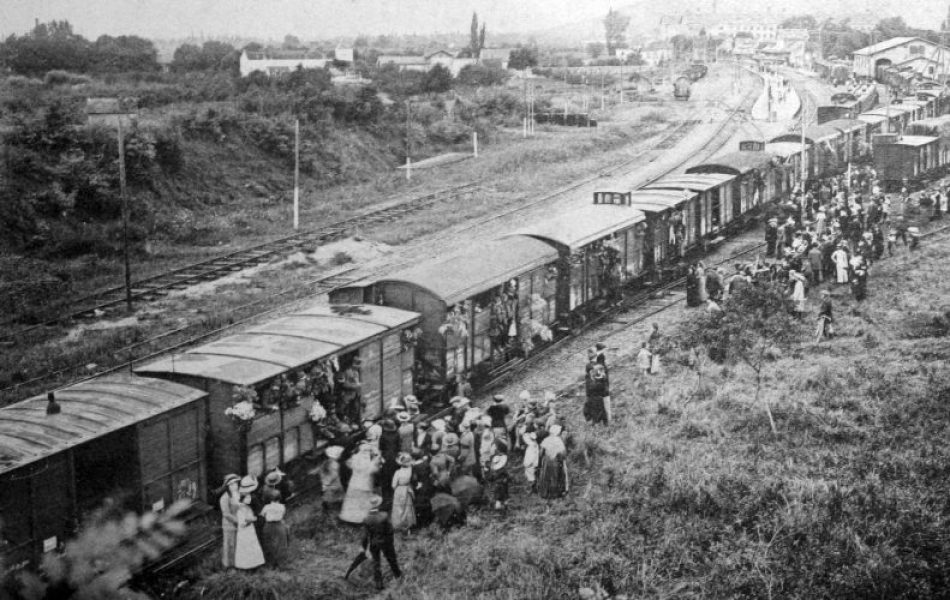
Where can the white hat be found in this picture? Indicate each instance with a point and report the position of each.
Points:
(334, 452)
(248, 484)
(524, 395)
(555, 429)
(499, 461)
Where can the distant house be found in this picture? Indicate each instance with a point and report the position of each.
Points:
(904, 53)
(499, 56)
(655, 53)
(404, 63)
(343, 54)
(273, 62)
(440, 57)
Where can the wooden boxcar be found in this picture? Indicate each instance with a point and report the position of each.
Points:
(138, 441)
(876, 123)
(752, 171)
(681, 88)
(934, 127)
(473, 305)
(596, 244)
(704, 210)
(826, 149)
(909, 157)
(666, 213)
(855, 140)
(896, 117)
(311, 341)
(787, 174)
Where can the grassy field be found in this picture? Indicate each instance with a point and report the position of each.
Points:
(690, 495)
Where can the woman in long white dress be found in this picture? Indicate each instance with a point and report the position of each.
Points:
(248, 553)
(403, 514)
(840, 258)
(798, 291)
(364, 466)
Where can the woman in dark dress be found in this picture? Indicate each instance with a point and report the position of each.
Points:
(693, 297)
(552, 480)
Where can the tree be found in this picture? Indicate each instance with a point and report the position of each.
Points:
(595, 49)
(211, 56)
(48, 46)
(754, 326)
(437, 80)
(291, 42)
(523, 58)
(482, 75)
(615, 26)
(893, 27)
(476, 37)
(800, 22)
(124, 53)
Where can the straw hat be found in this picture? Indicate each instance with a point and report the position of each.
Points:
(404, 459)
(274, 477)
(334, 452)
(524, 395)
(498, 462)
(438, 425)
(498, 398)
(403, 417)
(248, 484)
(231, 478)
(555, 430)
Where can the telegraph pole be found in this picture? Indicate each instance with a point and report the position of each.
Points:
(125, 217)
(408, 140)
(297, 174)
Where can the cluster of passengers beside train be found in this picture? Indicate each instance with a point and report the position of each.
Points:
(402, 476)
(832, 234)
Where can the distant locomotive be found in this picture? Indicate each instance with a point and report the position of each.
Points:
(681, 88)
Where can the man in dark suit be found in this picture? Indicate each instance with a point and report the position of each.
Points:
(378, 538)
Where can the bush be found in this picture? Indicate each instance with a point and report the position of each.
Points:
(482, 75)
(58, 77)
(447, 131)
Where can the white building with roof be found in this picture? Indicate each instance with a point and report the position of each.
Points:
(273, 62)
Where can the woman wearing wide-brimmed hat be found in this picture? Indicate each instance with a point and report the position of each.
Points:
(364, 466)
(228, 502)
(407, 431)
(248, 553)
(403, 514)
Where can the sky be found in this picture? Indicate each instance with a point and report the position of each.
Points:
(314, 19)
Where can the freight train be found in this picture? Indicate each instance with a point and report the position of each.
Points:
(252, 401)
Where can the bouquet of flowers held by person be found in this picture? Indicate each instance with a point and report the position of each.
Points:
(243, 411)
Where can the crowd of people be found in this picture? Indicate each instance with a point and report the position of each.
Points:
(832, 233)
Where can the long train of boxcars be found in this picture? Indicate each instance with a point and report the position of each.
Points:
(166, 432)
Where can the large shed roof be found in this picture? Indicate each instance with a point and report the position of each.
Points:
(582, 225)
(885, 45)
(478, 268)
(275, 347)
(735, 163)
(88, 410)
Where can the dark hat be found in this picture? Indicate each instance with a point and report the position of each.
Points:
(274, 477)
(388, 425)
(600, 346)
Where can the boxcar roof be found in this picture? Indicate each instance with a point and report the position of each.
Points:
(871, 118)
(735, 163)
(476, 269)
(784, 149)
(916, 140)
(895, 111)
(275, 347)
(657, 200)
(88, 410)
(697, 182)
(813, 134)
(846, 124)
(582, 225)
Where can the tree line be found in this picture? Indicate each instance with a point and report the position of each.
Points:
(837, 38)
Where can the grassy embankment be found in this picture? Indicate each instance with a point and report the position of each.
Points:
(692, 496)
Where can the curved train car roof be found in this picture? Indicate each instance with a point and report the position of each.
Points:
(915, 140)
(657, 200)
(813, 134)
(582, 225)
(895, 110)
(88, 410)
(931, 126)
(695, 182)
(476, 269)
(845, 124)
(872, 118)
(735, 163)
(784, 149)
(274, 347)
